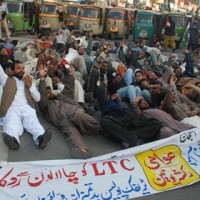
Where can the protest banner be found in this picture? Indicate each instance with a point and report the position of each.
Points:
(143, 170)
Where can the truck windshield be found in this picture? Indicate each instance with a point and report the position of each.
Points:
(14, 7)
(180, 20)
(144, 19)
(48, 9)
(74, 10)
(89, 13)
(116, 14)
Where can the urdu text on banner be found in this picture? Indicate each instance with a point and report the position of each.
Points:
(143, 170)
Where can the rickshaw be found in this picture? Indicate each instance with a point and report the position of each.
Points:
(72, 11)
(147, 24)
(119, 21)
(52, 13)
(21, 15)
(92, 18)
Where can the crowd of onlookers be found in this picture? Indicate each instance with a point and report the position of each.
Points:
(130, 84)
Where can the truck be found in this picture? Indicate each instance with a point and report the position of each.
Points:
(52, 12)
(21, 13)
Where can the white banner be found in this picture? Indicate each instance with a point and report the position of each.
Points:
(148, 169)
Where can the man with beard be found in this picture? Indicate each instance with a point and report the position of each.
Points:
(84, 62)
(79, 62)
(100, 61)
(17, 108)
(98, 80)
(65, 31)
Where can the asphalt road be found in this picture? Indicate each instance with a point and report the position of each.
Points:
(98, 145)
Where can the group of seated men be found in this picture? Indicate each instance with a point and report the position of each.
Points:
(136, 88)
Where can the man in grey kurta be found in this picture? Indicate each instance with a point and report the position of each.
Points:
(170, 126)
(67, 115)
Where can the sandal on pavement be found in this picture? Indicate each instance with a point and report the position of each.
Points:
(10, 141)
(45, 138)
